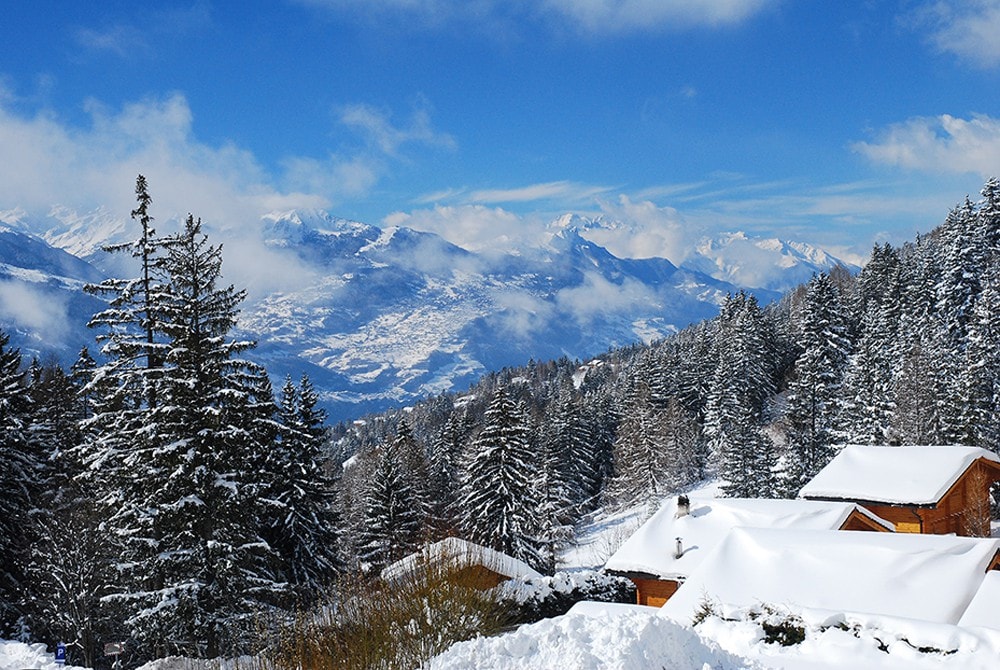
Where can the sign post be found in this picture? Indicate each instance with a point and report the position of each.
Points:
(61, 653)
(115, 649)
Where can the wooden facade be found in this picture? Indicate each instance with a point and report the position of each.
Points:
(963, 510)
(652, 591)
(477, 577)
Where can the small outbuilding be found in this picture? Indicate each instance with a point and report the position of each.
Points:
(660, 555)
(465, 562)
(926, 489)
(925, 577)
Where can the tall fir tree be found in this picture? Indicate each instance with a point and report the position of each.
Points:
(19, 471)
(743, 379)
(305, 524)
(392, 521)
(500, 500)
(814, 399)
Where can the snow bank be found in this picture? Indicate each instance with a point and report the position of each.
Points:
(984, 610)
(18, 655)
(624, 641)
(834, 642)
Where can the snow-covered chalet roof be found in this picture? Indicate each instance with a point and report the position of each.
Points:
(983, 610)
(893, 475)
(651, 548)
(925, 577)
(460, 553)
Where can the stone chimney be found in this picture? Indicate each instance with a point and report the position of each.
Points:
(683, 506)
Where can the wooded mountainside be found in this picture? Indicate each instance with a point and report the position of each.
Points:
(906, 352)
(158, 492)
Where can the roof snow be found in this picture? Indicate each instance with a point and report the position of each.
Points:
(900, 475)
(926, 577)
(652, 548)
(983, 611)
(463, 554)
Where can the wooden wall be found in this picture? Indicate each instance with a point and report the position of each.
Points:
(964, 509)
(653, 592)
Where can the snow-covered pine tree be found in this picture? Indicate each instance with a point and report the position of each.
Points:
(921, 373)
(195, 566)
(568, 477)
(499, 499)
(305, 524)
(742, 381)
(641, 466)
(814, 399)
(392, 524)
(68, 568)
(443, 460)
(18, 478)
(869, 403)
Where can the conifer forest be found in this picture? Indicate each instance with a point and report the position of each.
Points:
(163, 492)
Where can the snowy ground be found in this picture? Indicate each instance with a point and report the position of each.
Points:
(18, 656)
(624, 637)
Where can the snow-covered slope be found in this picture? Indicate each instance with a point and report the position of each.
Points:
(42, 304)
(383, 316)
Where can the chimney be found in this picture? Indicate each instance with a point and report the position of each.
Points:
(683, 506)
(679, 549)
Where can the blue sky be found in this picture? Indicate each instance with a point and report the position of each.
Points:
(838, 123)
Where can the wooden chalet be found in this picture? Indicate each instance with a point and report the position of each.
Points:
(463, 562)
(928, 489)
(660, 555)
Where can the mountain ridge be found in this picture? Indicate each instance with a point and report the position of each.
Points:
(383, 316)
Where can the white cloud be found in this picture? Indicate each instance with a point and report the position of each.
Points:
(119, 40)
(601, 16)
(39, 312)
(650, 231)
(939, 144)
(45, 161)
(590, 16)
(472, 227)
(965, 28)
(563, 190)
(376, 125)
(596, 296)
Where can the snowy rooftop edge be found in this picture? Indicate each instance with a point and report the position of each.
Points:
(464, 553)
(917, 475)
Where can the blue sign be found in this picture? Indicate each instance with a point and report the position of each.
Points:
(61, 653)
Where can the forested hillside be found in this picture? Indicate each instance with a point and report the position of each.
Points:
(906, 352)
(160, 492)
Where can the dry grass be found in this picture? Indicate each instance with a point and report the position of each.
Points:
(374, 624)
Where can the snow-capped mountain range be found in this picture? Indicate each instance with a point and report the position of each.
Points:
(379, 317)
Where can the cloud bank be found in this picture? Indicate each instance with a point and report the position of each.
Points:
(586, 16)
(965, 28)
(939, 144)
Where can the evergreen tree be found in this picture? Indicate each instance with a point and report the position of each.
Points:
(742, 381)
(814, 399)
(392, 520)
(305, 525)
(499, 498)
(18, 479)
